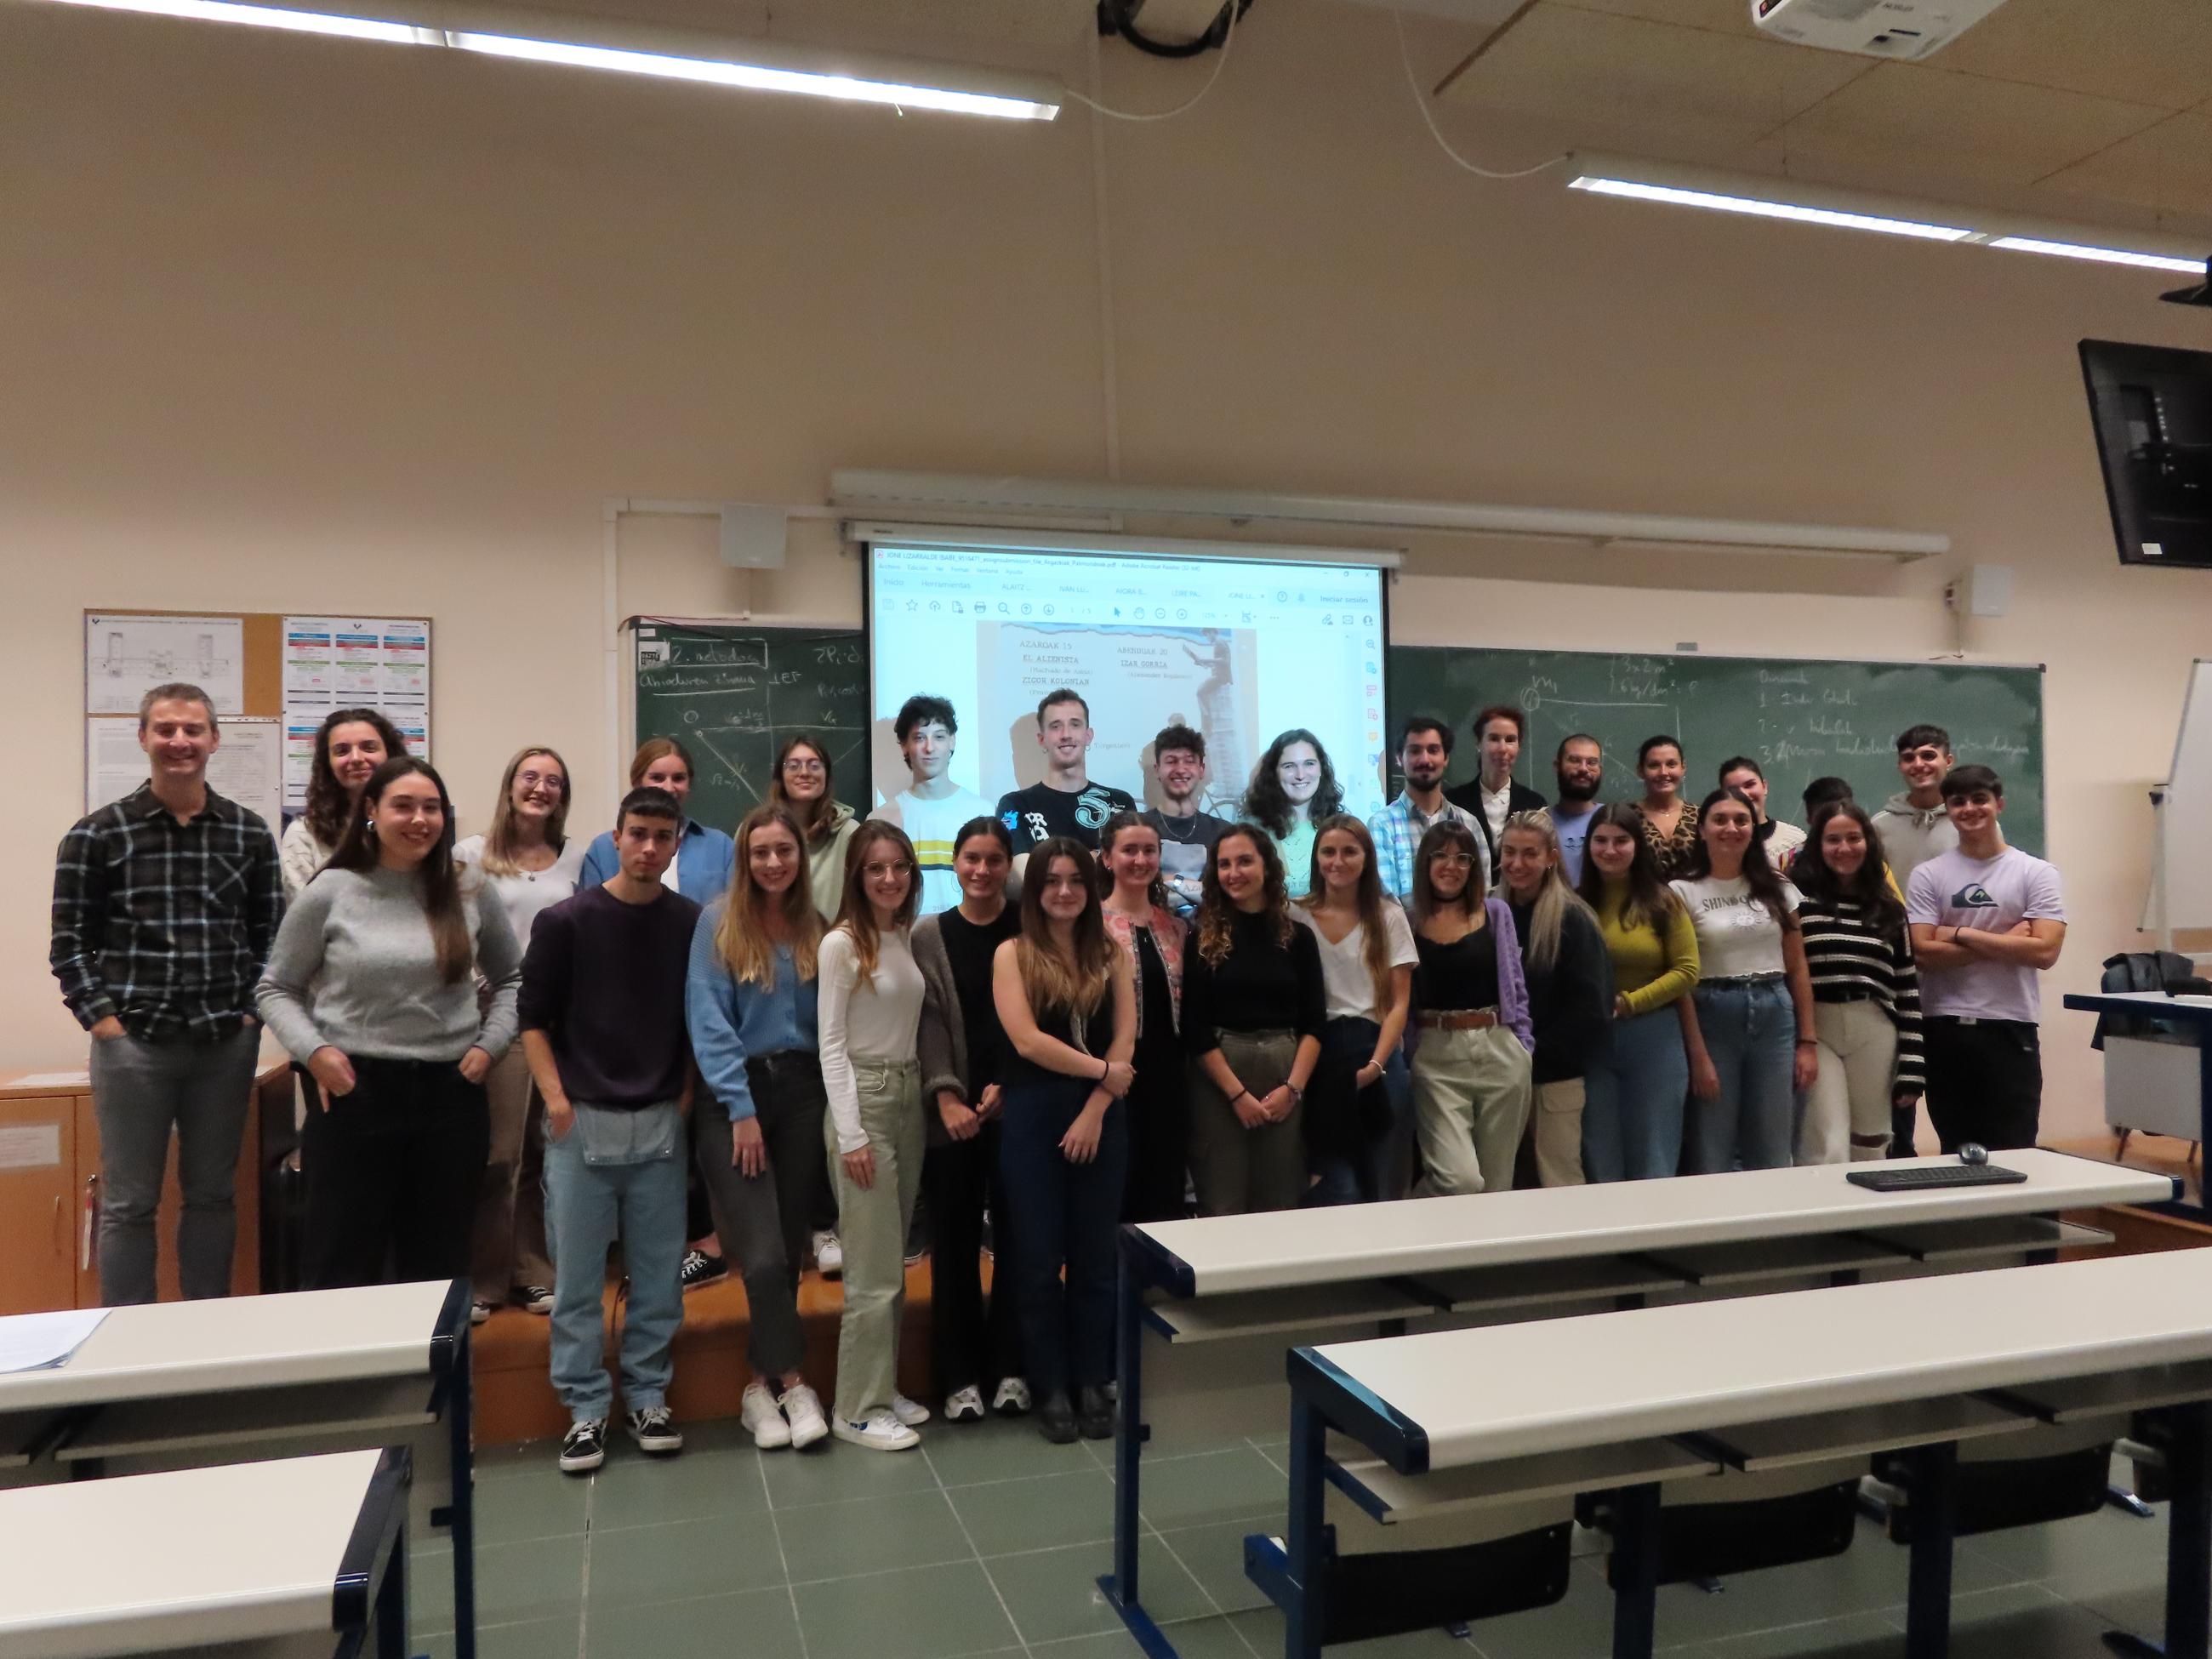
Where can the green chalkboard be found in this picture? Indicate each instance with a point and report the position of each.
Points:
(1799, 719)
(731, 695)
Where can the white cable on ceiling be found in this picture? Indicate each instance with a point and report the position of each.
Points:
(1221, 62)
(1420, 103)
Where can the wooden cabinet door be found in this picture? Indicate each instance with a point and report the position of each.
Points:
(38, 1213)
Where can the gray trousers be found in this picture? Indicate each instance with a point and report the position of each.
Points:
(140, 1092)
(1237, 1170)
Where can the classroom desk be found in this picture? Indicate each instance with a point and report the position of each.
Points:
(177, 1384)
(1921, 1364)
(1377, 1269)
(305, 1555)
(2173, 1081)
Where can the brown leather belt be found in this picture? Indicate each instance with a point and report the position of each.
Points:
(1459, 1019)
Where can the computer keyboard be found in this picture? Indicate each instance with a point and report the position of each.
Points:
(1924, 1177)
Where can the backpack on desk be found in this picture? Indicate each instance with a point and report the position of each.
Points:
(2148, 970)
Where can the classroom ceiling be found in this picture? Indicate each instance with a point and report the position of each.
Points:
(2065, 102)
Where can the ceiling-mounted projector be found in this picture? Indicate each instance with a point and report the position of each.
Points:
(1905, 29)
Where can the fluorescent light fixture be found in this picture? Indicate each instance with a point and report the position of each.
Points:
(2110, 255)
(1762, 209)
(1682, 185)
(545, 37)
(757, 77)
(267, 17)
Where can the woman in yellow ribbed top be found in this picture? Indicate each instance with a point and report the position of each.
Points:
(1633, 1109)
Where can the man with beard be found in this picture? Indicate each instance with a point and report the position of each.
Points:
(1580, 766)
(1187, 833)
(1425, 748)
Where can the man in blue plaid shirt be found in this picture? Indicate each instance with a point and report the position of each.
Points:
(165, 906)
(1424, 746)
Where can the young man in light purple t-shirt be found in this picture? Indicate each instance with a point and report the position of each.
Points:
(1986, 920)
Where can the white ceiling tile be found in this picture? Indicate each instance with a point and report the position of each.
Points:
(2142, 52)
(2168, 168)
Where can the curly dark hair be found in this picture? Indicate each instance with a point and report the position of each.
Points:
(1217, 915)
(330, 806)
(1266, 803)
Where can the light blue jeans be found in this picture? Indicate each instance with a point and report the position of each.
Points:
(1632, 1102)
(615, 1174)
(1751, 1034)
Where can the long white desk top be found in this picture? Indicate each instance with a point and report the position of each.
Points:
(2196, 1009)
(1268, 1251)
(259, 1342)
(1467, 1396)
(149, 1562)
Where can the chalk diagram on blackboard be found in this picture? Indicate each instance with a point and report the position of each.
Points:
(738, 703)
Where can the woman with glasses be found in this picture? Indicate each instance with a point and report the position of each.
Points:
(801, 787)
(1471, 1063)
(870, 1010)
(530, 862)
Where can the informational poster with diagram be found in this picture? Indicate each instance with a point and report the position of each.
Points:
(351, 662)
(246, 766)
(125, 656)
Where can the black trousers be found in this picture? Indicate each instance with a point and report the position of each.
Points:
(972, 1346)
(1985, 1081)
(391, 1174)
(763, 1221)
(1157, 1186)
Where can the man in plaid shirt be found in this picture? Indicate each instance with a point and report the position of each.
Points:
(1425, 747)
(165, 906)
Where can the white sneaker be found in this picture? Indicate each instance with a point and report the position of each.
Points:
(911, 1413)
(1012, 1399)
(829, 1255)
(964, 1405)
(881, 1432)
(802, 1409)
(758, 1413)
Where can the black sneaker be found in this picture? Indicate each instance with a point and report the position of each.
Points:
(701, 1269)
(1094, 1413)
(655, 1431)
(1055, 1420)
(584, 1448)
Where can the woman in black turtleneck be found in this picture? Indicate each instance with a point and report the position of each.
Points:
(1252, 1013)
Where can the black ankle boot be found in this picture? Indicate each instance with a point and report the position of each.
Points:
(1094, 1413)
(1056, 1418)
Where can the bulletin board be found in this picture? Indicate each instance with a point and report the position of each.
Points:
(273, 677)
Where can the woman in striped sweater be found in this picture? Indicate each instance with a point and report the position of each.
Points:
(1866, 990)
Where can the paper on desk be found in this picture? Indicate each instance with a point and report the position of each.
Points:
(41, 1341)
(53, 1080)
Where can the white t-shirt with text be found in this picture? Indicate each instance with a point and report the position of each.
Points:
(1738, 937)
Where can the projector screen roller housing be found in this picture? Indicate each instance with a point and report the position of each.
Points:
(1241, 651)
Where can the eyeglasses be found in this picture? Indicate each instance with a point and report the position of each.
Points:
(1452, 860)
(879, 871)
(531, 780)
(804, 766)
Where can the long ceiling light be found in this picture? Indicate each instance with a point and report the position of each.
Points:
(1769, 197)
(673, 54)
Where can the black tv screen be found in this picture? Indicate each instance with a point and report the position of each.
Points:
(2153, 410)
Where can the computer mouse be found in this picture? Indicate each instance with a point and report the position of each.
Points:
(1973, 1152)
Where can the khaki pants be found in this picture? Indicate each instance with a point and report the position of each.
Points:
(508, 1248)
(1470, 1103)
(1846, 1112)
(872, 1223)
(1556, 1127)
(1235, 1170)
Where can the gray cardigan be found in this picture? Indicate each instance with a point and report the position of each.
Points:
(941, 1039)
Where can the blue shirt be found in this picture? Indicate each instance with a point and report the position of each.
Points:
(729, 1021)
(1574, 836)
(705, 861)
(1397, 830)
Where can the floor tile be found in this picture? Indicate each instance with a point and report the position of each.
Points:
(1262, 1632)
(2023, 1621)
(517, 1508)
(515, 1583)
(2092, 1557)
(1042, 1512)
(759, 1624)
(1001, 1448)
(1054, 1595)
(833, 1472)
(871, 1534)
(1855, 1636)
(540, 1638)
(1579, 1623)
(638, 1491)
(1239, 1483)
(1214, 1555)
(684, 1560)
(530, 1456)
(919, 1613)
(1193, 1638)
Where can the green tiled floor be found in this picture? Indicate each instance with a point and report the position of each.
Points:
(987, 1540)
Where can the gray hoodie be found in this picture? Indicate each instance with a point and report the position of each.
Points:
(1910, 835)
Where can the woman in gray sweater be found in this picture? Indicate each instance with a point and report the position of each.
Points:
(370, 986)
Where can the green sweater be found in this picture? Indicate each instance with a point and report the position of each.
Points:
(1651, 965)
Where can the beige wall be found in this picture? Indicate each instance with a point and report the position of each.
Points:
(293, 324)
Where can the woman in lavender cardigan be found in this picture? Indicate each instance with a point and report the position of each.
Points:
(1471, 1055)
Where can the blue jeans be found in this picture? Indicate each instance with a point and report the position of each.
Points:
(1068, 1213)
(1632, 1100)
(615, 1174)
(1751, 1035)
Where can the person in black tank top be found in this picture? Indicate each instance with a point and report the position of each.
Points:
(1067, 1000)
(1157, 943)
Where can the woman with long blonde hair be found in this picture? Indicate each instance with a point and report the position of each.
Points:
(1367, 957)
(870, 1013)
(1067, 996)
(529, 860)
(750, 1002)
